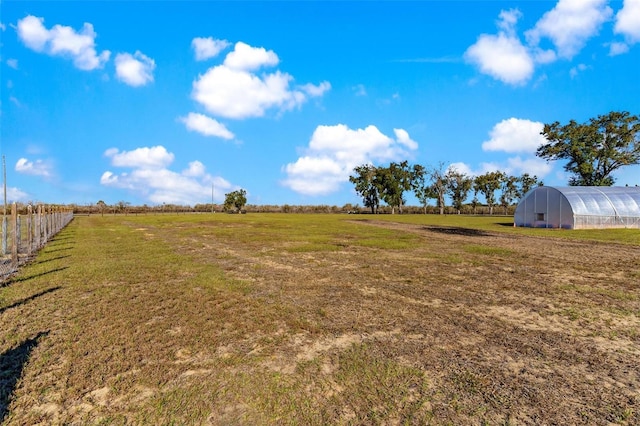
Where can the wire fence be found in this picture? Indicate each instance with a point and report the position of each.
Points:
(27, 230)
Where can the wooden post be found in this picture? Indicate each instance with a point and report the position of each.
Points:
(47, 226)
(14, 242)
(29, 230)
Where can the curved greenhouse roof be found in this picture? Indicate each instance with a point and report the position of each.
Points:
(574, 207)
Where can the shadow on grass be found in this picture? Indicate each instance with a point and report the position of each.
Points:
(62, 238)
(452, 230)
(65, 248)
(509, 224)
(39, 262)
(13, 280)
(11, 365)
(28, 299)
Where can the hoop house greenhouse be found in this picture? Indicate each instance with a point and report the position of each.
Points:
(580, 207)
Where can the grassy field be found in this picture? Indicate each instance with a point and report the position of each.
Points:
(322, 319)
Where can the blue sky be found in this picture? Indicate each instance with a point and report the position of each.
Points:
(155, 102)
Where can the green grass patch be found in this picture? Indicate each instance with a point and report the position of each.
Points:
(486, 250)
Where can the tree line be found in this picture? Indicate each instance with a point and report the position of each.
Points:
(592, 150)
(389, 184)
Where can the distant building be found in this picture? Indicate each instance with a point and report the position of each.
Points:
(580, 207)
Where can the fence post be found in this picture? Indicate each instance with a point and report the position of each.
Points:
(29, 230)
(4, 234)
(19, 232)
(14, 242)
(47, 225)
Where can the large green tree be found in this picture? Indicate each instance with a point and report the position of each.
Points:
(365, 185)
(595, 149)
(458, 186)
(421, 186)
(510, 192)
(487, 185)
(526, 183)
(392, 182)
(235, 201)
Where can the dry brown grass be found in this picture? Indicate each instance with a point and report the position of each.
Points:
(278, 319)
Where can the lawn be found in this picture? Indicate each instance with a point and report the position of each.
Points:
(322, 319)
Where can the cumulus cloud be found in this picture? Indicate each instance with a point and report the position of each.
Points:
(628, 25)
(134, 70)
(34, 168)
(515, 135)
(517, 166)
(234, 90)
(62, 41)
(153, 180)
(248, 58)
(461, 168)
(334, 151)
(402, 136)
(502, 56)
(618, 48)
(206, 126)
(316, 91)
(15, 194)
(209, 47)
(156, 157)
(570, 24)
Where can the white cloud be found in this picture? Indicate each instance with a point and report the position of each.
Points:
(402, 136)
(334, 151)
(618, 48)
(542, 56)
(316, 91)
(14, 195)
(33, 33)
(461, 168)
(206, 125)
(627, 24)
(515, 135)
(517, 166)
(155, 157)
(570, 24)
(134, 70)
(231, 90)
(502, 56)
(63, 41)
(196, 169)
(2, 26)
(155, 182)
(13, 63)
(469, 171)
(34, 168)
(209, 47)
(248, 58)
(577, 69)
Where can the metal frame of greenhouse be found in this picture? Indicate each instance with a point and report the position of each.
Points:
(580, 207)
